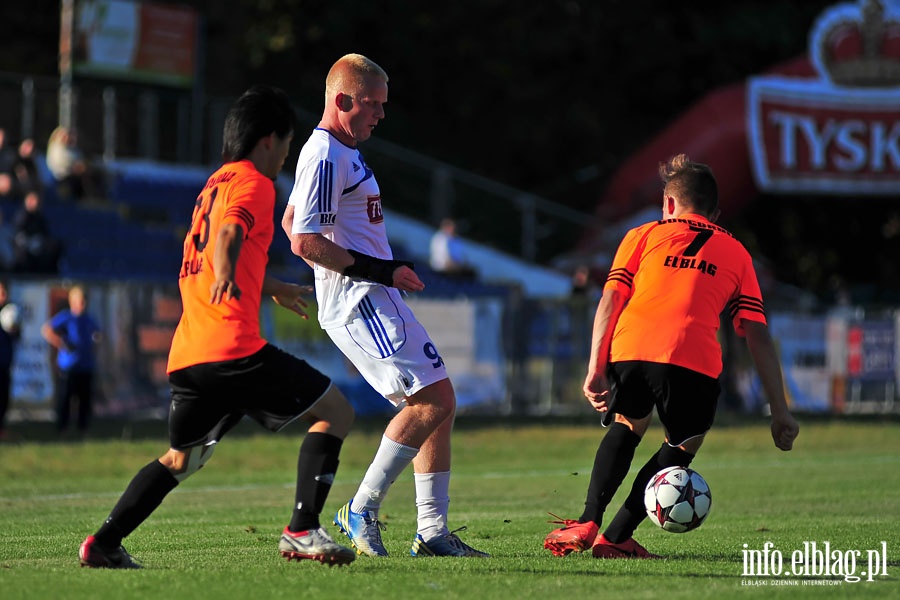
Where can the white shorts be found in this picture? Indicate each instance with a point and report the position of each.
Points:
(389, 348)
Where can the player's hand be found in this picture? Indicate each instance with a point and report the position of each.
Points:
(224, 289)
(596, 390)
(291, 297)
(406, 279)
(784, 430)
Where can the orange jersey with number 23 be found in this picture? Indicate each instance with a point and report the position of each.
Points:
(236, 193)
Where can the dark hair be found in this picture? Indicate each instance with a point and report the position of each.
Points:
(691, 183)
(259, 111)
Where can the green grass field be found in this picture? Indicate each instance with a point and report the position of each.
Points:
(216, 535)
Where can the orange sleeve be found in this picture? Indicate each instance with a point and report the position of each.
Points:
(747, 303)
(247, 197)
(626, 261)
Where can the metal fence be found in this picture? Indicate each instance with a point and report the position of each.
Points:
(124, 121)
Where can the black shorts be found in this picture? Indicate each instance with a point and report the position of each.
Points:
(271, 386)
(685, 400)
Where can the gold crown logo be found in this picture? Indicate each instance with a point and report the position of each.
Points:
(863, 52)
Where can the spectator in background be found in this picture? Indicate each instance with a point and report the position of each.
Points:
(8, 188)
(7, 178)
(35, 249)
(582, 281)
(7, 246)
(447, 254)
(7, 154)
(25, 169)
(10, 323)
(582, 300)
(71, 170)
(74, 333)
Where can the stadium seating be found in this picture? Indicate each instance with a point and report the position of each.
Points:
(99, 243)
(138, 232)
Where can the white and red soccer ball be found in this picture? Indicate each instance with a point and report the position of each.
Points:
(677, 499)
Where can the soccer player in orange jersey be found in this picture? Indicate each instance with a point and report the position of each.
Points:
(220, 368)
(654, 345)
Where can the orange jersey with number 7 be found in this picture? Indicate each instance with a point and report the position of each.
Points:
(236, 193)
(679, 275)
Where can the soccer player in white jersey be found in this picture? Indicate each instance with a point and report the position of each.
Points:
(335, 223)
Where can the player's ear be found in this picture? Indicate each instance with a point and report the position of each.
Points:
(669, 205)
(715, 215)
(344, 102)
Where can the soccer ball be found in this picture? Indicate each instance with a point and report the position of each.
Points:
(677, 499)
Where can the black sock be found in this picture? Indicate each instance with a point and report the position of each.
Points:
(316, 466)
(611, 465)
(633, 512)
(145, 492)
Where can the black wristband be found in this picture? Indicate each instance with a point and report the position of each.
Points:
(374, 269)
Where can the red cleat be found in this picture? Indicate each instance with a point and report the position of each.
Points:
(571, 537)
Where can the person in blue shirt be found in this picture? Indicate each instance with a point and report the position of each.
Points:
(74, 333)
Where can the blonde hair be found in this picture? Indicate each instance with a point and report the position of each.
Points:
(350, 74)
(77, 290)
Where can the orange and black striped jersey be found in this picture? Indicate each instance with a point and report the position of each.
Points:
(236, 193)
(679, 275)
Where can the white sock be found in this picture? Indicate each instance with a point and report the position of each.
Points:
(433, 503)
(390, 460)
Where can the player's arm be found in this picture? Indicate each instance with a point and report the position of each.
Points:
(228, 248)
(596, 386)
(316, 248)
(765, 358)
(288, 295)
(53, 338)
(287, 224)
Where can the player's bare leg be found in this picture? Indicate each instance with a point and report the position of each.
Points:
(422, 417)
(332, 414)
(432, 476)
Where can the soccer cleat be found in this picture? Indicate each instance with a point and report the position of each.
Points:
(92, 555)
(571, 537)
(314, 544)
(627, 549)
(446, 545)
(363, 529)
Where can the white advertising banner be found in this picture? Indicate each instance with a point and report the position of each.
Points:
(838, 133)
(32, 377)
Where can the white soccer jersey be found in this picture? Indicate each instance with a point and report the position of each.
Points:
(335, 194)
